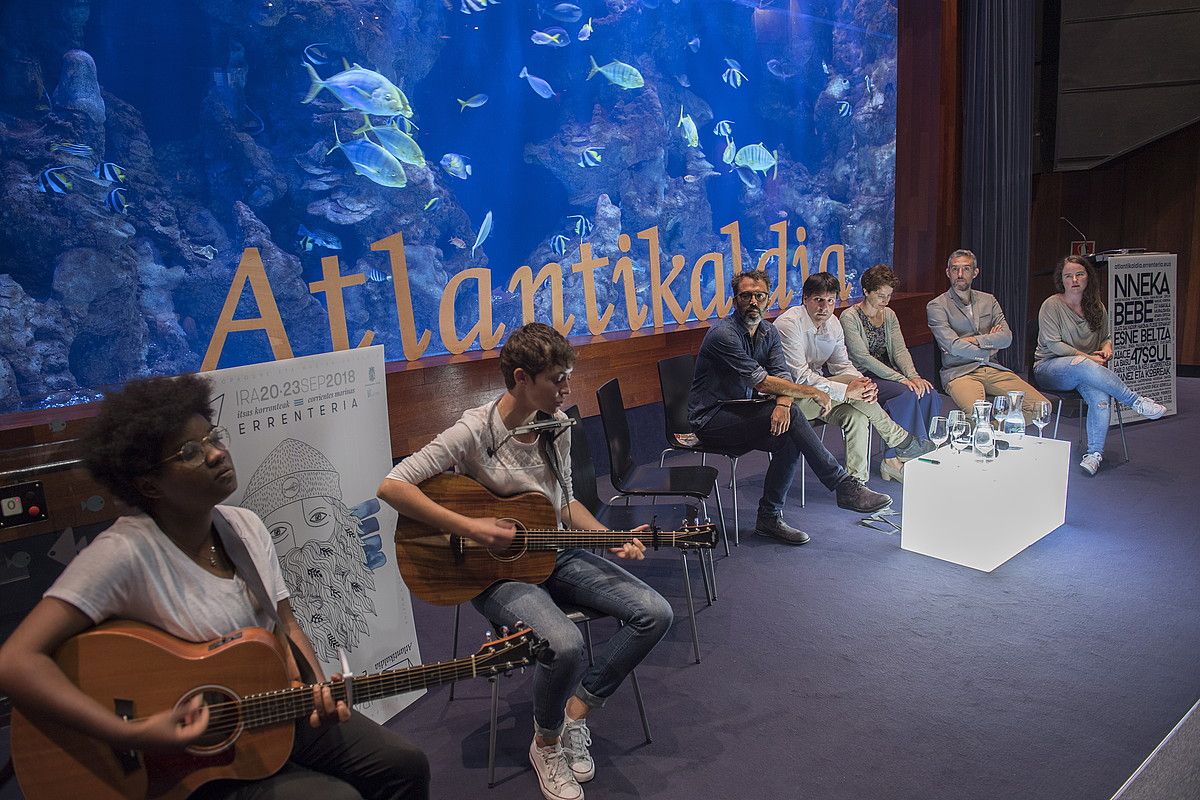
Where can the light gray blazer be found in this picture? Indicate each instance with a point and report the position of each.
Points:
(950, 321)
(856, 345)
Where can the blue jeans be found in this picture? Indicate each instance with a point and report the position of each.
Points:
(1096, 384)
(584, 579)
(748, 426)
(909, 411)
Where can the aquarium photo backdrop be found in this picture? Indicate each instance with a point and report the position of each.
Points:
(208, 183)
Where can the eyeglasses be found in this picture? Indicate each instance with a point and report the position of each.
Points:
(746, 297)
(192, 452)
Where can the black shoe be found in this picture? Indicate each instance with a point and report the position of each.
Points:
(854, 495)
(910, 448)
(776, 528)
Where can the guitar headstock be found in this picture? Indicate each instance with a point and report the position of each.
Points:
(517, 649)
(703, 535)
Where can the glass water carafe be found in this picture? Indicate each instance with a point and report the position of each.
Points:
(983, 440)
(1014, 422)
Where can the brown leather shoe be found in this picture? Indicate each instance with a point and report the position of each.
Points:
(776, 528)
(854, 495)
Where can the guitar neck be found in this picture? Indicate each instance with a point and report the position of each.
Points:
(270, 708)
(560, 539)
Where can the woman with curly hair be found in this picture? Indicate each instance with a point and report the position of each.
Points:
(1073, 350)
(154, 445)
(876, 347)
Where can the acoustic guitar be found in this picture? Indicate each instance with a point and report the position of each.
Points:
(444, 569)
(137, 670)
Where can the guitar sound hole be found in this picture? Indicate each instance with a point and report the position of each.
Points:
(520, 544)
(224, 719)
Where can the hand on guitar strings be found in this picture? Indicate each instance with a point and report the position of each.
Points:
(173, 729)
(634, 549)
(326, 711)
(492, 533)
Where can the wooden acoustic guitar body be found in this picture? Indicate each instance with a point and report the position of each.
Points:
(446, 571)
(136, 670)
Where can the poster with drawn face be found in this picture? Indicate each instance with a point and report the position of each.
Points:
(308, 438)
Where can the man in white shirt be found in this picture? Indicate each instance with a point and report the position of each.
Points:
(813, 345)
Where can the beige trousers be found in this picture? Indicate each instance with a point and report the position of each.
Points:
(856, 419)
(986, 382)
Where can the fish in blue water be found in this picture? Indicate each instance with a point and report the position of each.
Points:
(559, 244)
(474, 101)
(757, 158)
(585, 32)
(690, 134)
(485, 230)
(361, 89)
(748, 177)
(724, 128)
(777, 68)
(824, 67)
(684, 81)
(550, 38)
(730, 151)
(734, 75)
(73, 149)
(563, 12)
(583, 226)
(560, 37)
(618, 73)
(371, 161)
(537, 84)
(694, 44)
(590, 157)
(378, 275)
(434, 204)
(318, 54)
(870, 84)
(843, 108)
(207, 252)
(108, 171)
(469, 6)
(404, 122)
(117, 201)
(317, 238)
(651, 4)
(395, 141)
(457, 165)
(55, 180)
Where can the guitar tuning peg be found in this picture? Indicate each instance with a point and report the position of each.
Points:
(504, 630)
(488, 636)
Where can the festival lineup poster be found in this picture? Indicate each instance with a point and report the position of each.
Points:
(1141, 303)
(309, 438)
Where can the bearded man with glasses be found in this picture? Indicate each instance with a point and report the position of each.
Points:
(742, 396)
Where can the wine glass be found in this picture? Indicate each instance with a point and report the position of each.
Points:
(939, 431)
(1041, 416)
(1000, 409)
(957, 422)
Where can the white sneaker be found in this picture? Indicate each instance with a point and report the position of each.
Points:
(1148, 408)
(554, 776)
(1091, 463)
(576, 739)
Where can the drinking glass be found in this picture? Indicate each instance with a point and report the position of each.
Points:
(1041, 416)
(957, 422)
(939, 431)
(1000, 408)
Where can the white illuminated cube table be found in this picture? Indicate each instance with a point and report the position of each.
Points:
(981, 515)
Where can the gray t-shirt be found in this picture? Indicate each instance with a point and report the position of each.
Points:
(516, 466)
(1062, 332)
(133, 571)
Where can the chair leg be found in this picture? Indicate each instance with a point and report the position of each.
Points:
(1121, 427)
(737, 523)
(495, 682)
(587, 635)
(1057, 416)
(712, 573)
(454, 650)
(1082, 425)
(704, 570)
(687, 590)
(803, 483)
(637, 695)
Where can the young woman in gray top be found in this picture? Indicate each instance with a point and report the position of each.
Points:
(1073, 350)
(876, 347)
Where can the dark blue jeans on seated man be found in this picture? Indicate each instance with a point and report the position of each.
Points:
(747, 425)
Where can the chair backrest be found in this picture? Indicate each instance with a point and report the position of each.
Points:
(937, 367)
(675, 381)
(616, 432)
(583, 469)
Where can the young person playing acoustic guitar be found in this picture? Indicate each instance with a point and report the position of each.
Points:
(536, 362)
(155, 447)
